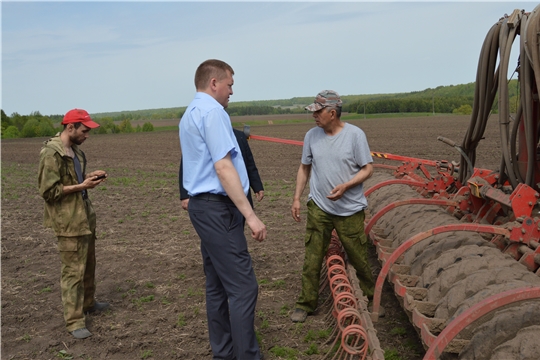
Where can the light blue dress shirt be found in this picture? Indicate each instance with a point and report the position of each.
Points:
(206, 136)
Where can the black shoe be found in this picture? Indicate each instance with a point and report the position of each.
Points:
(299, 315)
(98, 306)
(82, 333)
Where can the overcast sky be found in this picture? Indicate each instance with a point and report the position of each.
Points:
(114, 56)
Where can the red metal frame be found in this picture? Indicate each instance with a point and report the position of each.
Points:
(393, 182)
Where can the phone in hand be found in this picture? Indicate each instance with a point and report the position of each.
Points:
(99, 177)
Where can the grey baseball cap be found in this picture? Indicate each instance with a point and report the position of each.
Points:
(324, 99)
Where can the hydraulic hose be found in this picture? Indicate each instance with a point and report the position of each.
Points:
(506, 40)
(492, 79)
(485, 89)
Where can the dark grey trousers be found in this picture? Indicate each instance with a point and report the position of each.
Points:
(231, 286)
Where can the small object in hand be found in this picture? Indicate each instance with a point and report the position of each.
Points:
(99, 177)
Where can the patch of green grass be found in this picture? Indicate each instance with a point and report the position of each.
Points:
(310, 336)
(149, 285)
(63, 354)
(193, 292)
(285, 352)
(298, 327)
(181, 321)
(284, 310)
(324, 334)
(312, 350)
(181, 276)
(259, 337)
(143, 299)
(121, 181)
(44, 290)
(165, 301)
(147, 354)
(265, 324)
(26, 338)
(278, 284)
(398, 331)
(391, 354)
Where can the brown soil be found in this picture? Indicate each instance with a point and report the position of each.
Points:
(149, 264)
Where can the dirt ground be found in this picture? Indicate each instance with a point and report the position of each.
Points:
(149, 264)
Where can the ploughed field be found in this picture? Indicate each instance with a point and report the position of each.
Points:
(149, 264)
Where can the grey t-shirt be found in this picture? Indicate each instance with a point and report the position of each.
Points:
(335, 160)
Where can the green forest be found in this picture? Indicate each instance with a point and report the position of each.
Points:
(452, 99)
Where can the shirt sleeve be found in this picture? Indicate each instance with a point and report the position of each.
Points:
(50, 185)
(307, 155)
(219, 136)
(362, 153)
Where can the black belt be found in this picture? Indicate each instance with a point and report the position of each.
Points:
(213, 197)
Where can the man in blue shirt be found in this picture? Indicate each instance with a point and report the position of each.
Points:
(216, 180)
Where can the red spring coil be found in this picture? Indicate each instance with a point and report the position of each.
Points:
(354, 340)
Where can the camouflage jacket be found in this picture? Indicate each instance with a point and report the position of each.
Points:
(71, 214)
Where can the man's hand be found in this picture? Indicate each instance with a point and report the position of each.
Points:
(184, 203)
(93, 174)
(337, 192)
(90, 182)
(259, 195)
(295, 210)
(258, 229)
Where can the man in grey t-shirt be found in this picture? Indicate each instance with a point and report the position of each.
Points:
(337, 156)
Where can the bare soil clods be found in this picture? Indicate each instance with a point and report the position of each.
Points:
(149, 264)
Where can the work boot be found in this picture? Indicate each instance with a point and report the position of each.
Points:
(299, 315)
(98, 306)
(82, 333)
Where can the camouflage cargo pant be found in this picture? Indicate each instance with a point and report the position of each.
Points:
(350, 230)
(77, 283)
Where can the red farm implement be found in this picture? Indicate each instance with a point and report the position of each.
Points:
(460, 244)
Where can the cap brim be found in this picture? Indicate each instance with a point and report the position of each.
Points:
(90, 124)
(314, 107)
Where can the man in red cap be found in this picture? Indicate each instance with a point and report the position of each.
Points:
(63, 184)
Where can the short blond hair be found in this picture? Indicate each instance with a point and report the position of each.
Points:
(211, 69)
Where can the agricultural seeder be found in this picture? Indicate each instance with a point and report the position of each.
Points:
(459, 244)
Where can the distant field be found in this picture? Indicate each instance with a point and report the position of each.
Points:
(167, 124)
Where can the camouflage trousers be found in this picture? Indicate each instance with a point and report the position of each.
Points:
(350, 230)
(77, 282)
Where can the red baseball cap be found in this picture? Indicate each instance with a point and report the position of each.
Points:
(79, 115)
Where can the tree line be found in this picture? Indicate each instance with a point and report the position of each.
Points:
(457, 99)
(37, 125)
